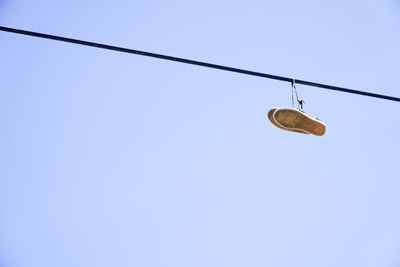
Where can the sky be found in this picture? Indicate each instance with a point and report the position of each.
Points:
(110, 159)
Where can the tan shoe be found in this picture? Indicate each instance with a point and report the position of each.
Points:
(296, 121)
(272, 120)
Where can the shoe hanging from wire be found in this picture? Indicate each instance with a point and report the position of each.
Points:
(296, 120)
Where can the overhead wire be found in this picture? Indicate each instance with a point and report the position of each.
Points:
(197, 63)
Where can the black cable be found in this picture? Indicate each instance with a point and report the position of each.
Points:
(198, 63)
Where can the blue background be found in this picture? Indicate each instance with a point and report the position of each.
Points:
(109, 159)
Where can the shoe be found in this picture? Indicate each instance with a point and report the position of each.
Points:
(272, 120)
(297, 121)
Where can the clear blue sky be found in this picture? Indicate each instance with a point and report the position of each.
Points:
(109, 159)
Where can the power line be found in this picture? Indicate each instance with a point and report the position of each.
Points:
(198, 63)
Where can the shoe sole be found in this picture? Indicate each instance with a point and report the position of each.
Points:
(294, 119)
